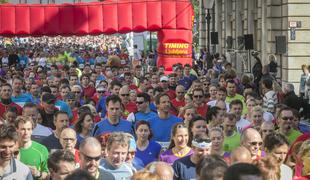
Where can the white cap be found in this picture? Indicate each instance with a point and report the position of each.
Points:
(81, 66)
(164, 78)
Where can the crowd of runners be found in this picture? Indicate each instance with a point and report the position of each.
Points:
(84, 108)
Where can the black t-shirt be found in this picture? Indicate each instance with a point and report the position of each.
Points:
(47, 119)
(184, 168)
(51, 143)
(13, 59)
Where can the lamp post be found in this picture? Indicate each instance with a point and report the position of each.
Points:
(208, 4)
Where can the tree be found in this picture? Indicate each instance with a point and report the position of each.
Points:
(195, 4)
(4, 1)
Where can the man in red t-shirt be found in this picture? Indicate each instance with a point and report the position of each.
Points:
(165, 85)
(199, 102)
(6, 102)
(128, 105)
(88, 90)
(179, 101)
(100, 92)
(144, 84)
(128, 81)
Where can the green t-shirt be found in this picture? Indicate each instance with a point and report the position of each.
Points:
(293, 136)
(36, 155)
(231, 142)
(241, 98)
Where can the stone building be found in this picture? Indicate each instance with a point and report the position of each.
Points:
(264, 19)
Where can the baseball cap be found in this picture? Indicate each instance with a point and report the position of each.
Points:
(164, 78)
(100, 88)
(49, 98)
(81, 66)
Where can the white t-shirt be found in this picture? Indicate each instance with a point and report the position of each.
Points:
(213, 103)
(270, 99)
(267, 116)
(42, 61)
(286, 172)
(241, 124)
(5, 60)
(40, 132)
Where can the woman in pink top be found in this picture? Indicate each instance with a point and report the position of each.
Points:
(178, 147)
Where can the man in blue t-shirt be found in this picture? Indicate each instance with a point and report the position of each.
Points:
(163, 122)
(101, 107)
(144, 112)
(113, 122)
(187, 78)
(117, 152)
(185, 168)
(23, 59)
(18, 96)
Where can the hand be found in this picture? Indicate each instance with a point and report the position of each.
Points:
(34, 171)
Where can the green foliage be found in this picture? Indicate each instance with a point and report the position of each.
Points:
(4, 1)
(195, 4)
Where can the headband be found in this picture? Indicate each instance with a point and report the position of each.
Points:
(202, 145)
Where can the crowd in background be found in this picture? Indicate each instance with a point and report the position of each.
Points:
(83, 108)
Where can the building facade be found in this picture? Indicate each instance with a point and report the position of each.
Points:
(265, 20)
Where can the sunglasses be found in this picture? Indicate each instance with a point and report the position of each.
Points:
(124, 95)
(198, 96)
(180, 92)
(267, 130)
(256, 143)
(101, 92)
(139, 102)
(88, 158)
(76, 92)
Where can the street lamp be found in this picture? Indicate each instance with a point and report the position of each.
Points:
(208, 4)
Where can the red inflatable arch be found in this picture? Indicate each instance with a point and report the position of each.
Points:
(171, 18)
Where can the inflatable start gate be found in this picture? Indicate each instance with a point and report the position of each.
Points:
(172, 19)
